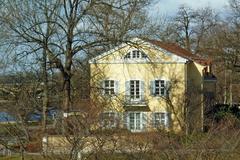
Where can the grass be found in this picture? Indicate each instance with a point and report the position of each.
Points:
(28, 157)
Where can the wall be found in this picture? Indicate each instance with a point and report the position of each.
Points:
(195, 96)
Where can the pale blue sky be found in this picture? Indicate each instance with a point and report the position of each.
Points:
(169, 7)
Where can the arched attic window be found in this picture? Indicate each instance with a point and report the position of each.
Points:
(135, 54)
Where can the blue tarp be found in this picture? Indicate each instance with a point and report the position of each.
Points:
(6, 117)
(36, 116)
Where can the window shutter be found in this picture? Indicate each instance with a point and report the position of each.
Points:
(167, 119)
(103, 87)
(152, 88)
(127, 87)
(144, 121)
(142, 88)
(118, 117)
(153, 119)
(125, 119)
(116, 87)
(168, 88)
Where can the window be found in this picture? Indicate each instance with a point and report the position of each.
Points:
(135, 89)
(160, 87)
(134, 93)
(128, 55)
(110, 87)
(109, 119)
(160, 120)
(135, 54)
(136, 121)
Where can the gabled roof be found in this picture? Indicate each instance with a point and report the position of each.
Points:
(163, 46)
(179, 51)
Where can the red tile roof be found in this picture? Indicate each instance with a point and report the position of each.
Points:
(179, 51)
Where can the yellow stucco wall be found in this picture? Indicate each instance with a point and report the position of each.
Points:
(195, 94)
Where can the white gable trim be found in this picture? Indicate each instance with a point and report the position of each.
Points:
(175, 57)
(172, 55)
(134, 40)
(93, 60)
(139, 41)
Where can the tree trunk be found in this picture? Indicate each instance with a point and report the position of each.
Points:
(45, 101)
(67, 69)
(67, 93)
(22, 153)
(188, 47)
(187, 40)
(230, 89)
(225, 86)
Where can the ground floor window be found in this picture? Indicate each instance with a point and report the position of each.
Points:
(136, 121)
(161, 119)
(109, 119)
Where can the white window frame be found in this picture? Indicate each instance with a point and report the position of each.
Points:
(135, 54)
(160, 122)
(136, 122)
(135, 89)
(108, 89)
(108, 115)
(160, 87)
(166, 86)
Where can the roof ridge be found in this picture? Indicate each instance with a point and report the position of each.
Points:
(180, 51)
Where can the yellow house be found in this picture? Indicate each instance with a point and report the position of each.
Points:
(145, 85)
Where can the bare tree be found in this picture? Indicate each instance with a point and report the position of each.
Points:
(67, 29)
(188, 27)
